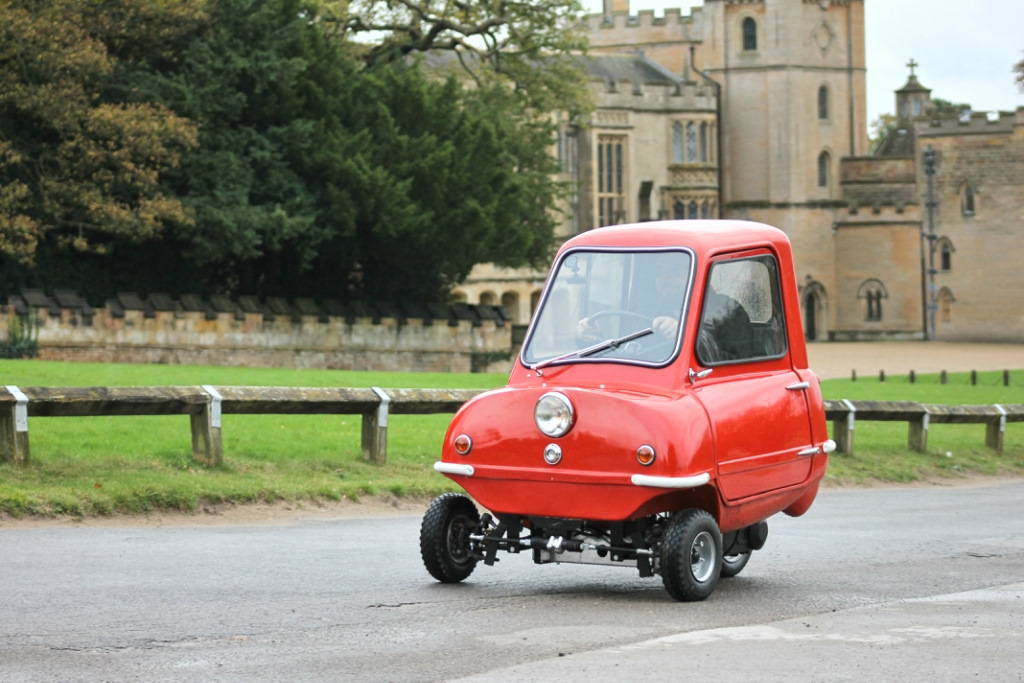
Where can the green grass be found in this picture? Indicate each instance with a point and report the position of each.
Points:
(954, 451)
(111, 465)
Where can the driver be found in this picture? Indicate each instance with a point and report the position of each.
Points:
(670, 285)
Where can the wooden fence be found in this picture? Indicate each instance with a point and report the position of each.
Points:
(206, 404)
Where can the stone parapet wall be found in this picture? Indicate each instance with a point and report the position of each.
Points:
(191, 337)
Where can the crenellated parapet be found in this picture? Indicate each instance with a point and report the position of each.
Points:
(644, 26)
(270, 333)
(977, 122)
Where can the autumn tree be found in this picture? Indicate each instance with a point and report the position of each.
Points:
(75, 168)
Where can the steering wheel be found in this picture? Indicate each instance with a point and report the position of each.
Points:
(618, 312)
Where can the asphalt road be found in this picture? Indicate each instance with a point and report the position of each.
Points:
(886, 584)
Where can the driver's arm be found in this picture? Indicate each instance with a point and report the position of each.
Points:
(666, 326)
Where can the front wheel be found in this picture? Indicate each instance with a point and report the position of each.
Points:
(444, 537)
(691, 556)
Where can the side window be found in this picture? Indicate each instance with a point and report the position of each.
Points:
(741, 317)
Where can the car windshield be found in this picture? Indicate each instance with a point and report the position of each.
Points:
(604, 305)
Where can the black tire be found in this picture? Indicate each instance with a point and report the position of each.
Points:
(691, 556)
(444, 537)
(734, 564)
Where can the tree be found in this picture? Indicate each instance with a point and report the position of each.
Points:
(516, 42)
(76, 168)
(879, 129)
(1019, 69)
(431, 182)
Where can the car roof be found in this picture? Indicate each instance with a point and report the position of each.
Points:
(703, 236)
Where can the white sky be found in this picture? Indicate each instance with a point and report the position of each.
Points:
(965, 50)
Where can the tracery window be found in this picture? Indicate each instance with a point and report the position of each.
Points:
(872, 292)
(704, 141)
(611, 197)
(677, 143)
(691, 142)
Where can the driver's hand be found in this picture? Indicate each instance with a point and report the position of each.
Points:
(666, 326)
(587, 330)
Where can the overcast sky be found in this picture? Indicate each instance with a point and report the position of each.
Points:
(965, 50)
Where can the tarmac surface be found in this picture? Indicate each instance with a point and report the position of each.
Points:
(836, 360)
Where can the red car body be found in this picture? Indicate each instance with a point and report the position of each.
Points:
(653, 425)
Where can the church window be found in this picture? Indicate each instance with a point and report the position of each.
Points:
(691, 142)
(823, 163)
(917, 107)
(704, 141)
(678, 210)
(967, 200)
(749, 34)
(822, 102)
(945, 249)
(692, 209)
(872, 292)
(677, 143)
(704, 210)
(611, 197)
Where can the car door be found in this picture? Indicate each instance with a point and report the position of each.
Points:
(755, 401)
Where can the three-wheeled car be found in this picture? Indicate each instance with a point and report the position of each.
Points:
(661, 409)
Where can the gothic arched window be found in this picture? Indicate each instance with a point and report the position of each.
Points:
(823, 163)
(967, 200)
(749, 34)
(873, 291)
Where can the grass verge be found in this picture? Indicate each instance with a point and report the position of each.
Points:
(131, 465)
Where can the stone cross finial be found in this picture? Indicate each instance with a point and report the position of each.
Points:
(912, 64)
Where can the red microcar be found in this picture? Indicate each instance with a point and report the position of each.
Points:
(660, 411)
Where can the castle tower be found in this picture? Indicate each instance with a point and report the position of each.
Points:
(794, 95)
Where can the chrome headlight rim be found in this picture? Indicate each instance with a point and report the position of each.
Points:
(554, 414)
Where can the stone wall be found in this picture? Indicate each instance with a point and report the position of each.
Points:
(462, 342)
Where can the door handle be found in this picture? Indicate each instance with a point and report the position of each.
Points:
(799, 386)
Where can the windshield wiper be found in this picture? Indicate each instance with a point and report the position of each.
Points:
(596, 348)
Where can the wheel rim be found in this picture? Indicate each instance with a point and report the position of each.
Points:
(457, 539)
(702, 557)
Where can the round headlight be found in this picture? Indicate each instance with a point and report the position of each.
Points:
(554, 414)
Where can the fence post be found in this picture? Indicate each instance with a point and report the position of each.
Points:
(375, 430)
(207, 444)
(842, 430)
(917, 433)
(14, 428)
(994, 431)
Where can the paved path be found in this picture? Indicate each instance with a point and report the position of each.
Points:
(833, 360)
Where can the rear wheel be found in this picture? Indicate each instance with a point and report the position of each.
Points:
(444, 537)
(691, 556)
(734, 564)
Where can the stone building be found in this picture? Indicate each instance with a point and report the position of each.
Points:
(756, 109)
